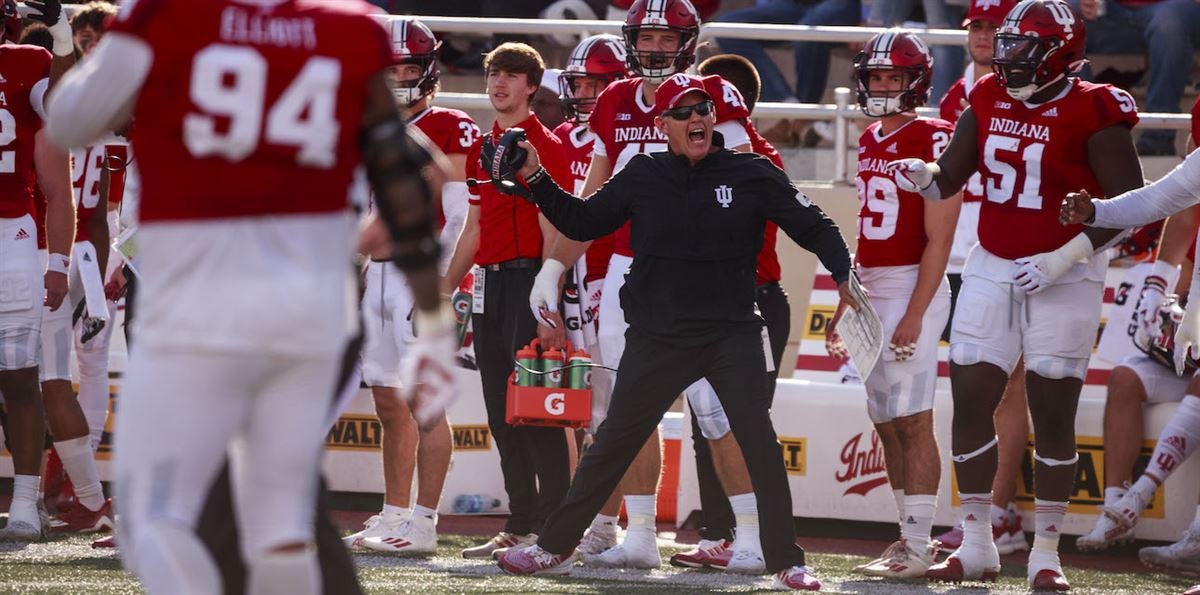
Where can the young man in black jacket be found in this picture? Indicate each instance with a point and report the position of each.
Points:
(698, 214)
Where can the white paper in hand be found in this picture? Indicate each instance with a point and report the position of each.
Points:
(862, 331)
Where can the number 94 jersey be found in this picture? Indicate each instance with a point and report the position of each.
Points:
(251, 110)
(891, 222)
(1031, 156)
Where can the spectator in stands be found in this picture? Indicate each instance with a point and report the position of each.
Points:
(939, 14)
(1167, 31)
(812, 58)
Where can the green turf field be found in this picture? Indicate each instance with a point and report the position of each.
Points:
(71, 566)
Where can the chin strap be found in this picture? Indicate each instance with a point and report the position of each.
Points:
(1024, 93)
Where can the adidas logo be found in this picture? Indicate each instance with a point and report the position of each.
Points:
(87, 257)
(21, 235)
(2, 79)
(1175, 441)
(910, 521)
(1050, 113)
(970, 517)
(1052, 529)
(892, 148)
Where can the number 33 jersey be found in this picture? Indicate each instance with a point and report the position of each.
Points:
(891, 222)
(251, 110)
(1031, 156)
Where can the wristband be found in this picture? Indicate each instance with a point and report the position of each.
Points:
(536, 176)
(59, 263)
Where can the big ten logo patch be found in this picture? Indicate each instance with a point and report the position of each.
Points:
(1088, 494)
(355, 432)
(819, 318)
(795, 454)
(472, 438)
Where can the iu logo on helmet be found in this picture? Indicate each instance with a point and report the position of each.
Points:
(724, 196)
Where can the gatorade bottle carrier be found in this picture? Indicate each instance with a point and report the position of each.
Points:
(531, 403)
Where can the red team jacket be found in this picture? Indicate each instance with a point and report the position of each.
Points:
(891, 221)
(1031, 157)
(271, 141)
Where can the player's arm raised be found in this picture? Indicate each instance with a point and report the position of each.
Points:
(51, 14)
(98, 96)
(53, 167)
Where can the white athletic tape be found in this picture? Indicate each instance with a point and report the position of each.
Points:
(976, 452)
(1055, 462)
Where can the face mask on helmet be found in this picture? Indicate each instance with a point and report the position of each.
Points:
(1019, 63)
(878, 103)
(576, 108)
(658, 66)
(409, 92)
(1162, 350)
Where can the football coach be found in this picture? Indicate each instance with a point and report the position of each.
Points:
(698, 213)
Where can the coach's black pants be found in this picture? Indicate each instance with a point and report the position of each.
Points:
(654, 370)
(533, 460)
(716, 515)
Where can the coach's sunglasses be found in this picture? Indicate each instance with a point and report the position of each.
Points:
(702, 109)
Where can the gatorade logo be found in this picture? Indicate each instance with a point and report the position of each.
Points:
(556, 403)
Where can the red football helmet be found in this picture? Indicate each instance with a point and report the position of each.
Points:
(894, 49)
(1040, 42)
(414, 43)
(599, 57)
(11, 33)
(671, 15)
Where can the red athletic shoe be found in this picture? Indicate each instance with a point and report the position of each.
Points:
(967, 564)
(78, 519)
(709, 553)
(1049, 580)
(52, 480)
(66, 497)
(534, 560)
(105, 542)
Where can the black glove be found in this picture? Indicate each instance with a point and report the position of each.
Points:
(46, 12)
(502, 160)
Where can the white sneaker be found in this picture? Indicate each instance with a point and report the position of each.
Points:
(887, 553)
(904, 562)
(1127, 510)
(746, 561)
(597, 539)
(637, 554)
(372, 527)
(410, 537)
(1107, 533)
(24, 523)
(796, 578)
(1182, 555)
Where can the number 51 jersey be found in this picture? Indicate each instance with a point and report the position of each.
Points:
(1031, 156)
(251, 110)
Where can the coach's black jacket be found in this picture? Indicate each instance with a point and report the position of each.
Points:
(697, 232)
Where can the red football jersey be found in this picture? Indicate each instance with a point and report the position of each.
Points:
(251, 110)
(891, 221)
(1196, 122)
(116, 159)
(577, 141)
(1032, 156)
(86, 165)
(508, 225)
(768, 269)
(26, 72)
(624, 124)
(951, 109)
(451, 130)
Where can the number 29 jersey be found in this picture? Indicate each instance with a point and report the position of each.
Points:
(251, 110)
(891, 222)
(1031, 156)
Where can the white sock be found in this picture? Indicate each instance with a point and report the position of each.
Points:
(26, 488)
(1048, 519)
(286, 573)
(899, 496)
(80, 464)
(1112, 494)
(1176, 441)
(605, 522)
(395, 513)
(998, 514)
(641, 512)
(424, 514)
(93, 399)
(745, 511)
(918, 520)
(1144, 487)
(977, 524)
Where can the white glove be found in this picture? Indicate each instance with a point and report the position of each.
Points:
(1158, 284)
(1187, 336)
(427, 376)
(916, 175)
(546, 292)
(1037, 272)
(51, 14)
